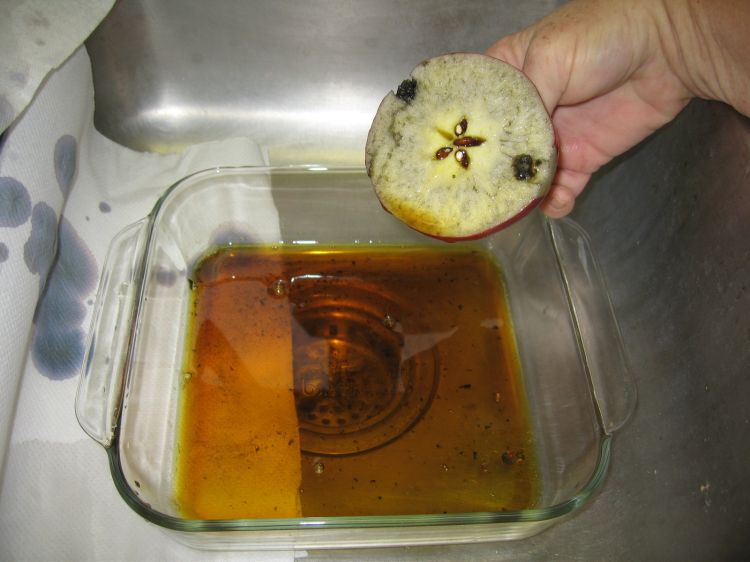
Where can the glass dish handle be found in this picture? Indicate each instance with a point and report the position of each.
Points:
(597, 329)
(100, 388)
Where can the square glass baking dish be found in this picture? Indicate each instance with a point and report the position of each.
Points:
(575, 377)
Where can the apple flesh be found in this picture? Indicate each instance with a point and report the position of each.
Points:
(463, 148)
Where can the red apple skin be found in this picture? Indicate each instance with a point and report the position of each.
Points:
(518, 216)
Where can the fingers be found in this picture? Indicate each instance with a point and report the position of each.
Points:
(550, 84)
(543, 55)
(561, 198)
(511, 49)
(558, 203)
(546, 71)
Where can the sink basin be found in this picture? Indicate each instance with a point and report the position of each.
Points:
(170, 74)
(669, 222)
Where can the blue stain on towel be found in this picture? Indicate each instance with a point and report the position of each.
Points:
(15, 203)
(39, 250)
(65, 162)
(57, 347)
(228, 234)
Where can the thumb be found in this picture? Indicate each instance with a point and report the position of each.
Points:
(549, 72)
(510, 49)
(538, 64)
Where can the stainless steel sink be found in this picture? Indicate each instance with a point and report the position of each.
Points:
(670, 222)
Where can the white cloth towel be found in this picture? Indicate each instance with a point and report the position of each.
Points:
(65, 191)
(36, 36)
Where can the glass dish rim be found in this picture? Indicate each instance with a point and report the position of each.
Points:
(533, 515)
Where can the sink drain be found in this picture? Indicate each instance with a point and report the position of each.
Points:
(354, 388)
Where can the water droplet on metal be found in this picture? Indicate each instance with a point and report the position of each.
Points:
(319, 468)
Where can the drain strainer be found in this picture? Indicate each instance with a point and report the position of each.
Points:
(355, 389)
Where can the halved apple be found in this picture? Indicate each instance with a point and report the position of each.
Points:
(463, 148)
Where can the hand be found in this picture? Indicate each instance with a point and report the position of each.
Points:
(604, 77)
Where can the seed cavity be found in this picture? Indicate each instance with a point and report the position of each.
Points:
(445, 134)
(461, 141)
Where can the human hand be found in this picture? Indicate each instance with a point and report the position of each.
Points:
(606, 78)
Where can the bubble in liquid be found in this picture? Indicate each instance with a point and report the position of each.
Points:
(389, 321)
(278, 288)
(319, 468)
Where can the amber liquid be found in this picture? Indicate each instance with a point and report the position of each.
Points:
(393, 386)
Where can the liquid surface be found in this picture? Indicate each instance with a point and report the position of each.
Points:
(351, 381)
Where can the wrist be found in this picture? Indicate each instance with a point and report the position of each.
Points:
(707, 48)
